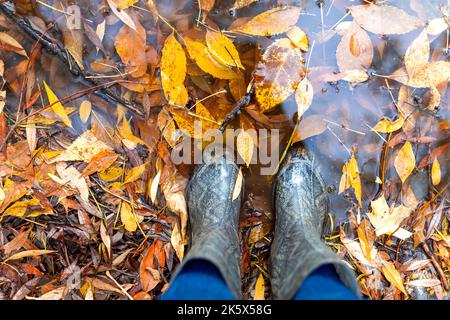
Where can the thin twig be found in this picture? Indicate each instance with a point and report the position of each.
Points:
(244, 102)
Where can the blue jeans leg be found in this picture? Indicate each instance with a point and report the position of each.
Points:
(199, 280)
(324, 284)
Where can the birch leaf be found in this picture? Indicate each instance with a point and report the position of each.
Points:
(57, 107)
(272, 22)
(154, 187)
(278, 74)
(417, 54)
(298, 38)
(239, 4)
(384, 19)
(304, 96)
(405, 162)
(245, 146)
(436, 172)
(135, 174)
(436, 26)
(223, 49)
(128, 218)
(173, 72)
(355, 51)
(85, 110)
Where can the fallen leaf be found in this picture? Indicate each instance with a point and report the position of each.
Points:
(350, 178)
(135, 174)
(245, 146)
(238, 186)
(239, 4)
(130, 45)
(100, 162)
(387, 126)
(436, 172)
(278, 74)
(405, 162)
(417, 54)
(10, 41)
(154, 187)
(259, 288)
(310, 126)
(304, 96)
(173, 72)
(122, 15)
(393, 276)
(128, 217)
(382, 19)
(436, 26)
(28, 253)
(85, 110)
(298, 38)
(57, 107)
(84, 148)
(272, 22)
(206, 61)
(223, 49)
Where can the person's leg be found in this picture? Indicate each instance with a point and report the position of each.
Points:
(199, 280)
(324, 284)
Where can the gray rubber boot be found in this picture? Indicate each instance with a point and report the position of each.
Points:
(301, 204)
(214, 220)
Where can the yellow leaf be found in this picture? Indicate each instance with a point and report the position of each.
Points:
(28, 253)
(124, 4)
(238, 186)
(393, 276)
(272, 22)
(436, 172)
(298, 38)
(127, 134)
(304, 96)
(223, 49)
(128, 218)
(135, 173)
(386, 126)
(173, 72)
(111, 174)
(85, 110)
(405, 162)
(350, 178)
(57, 107)
(206, 61)
(84, 148)
(259, 288)
(245, 146)
(242, 3)
(278, 74)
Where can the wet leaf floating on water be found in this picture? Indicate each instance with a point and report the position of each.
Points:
(418, 54)
(355, 51)
(122, 15)
(351, 179)
(405, 162)
(273, 22)
(436, 172)
(57, 106)
(223, 49)
(384, 19)
(245, 146)
(278, 74)
(173, 72)
(298, 38)
(304, 96)
(436, 26)
(85, 110)
(205, 60)
(386, 126)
